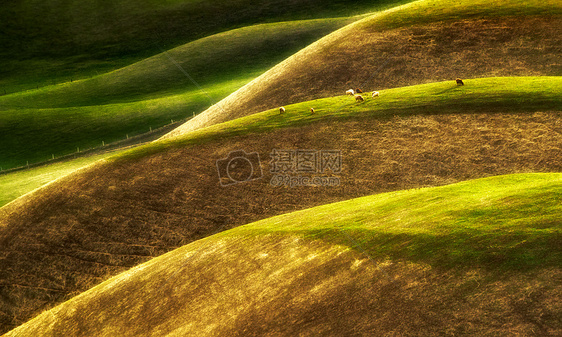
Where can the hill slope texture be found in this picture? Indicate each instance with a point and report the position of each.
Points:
(478, 258)
(80, 230)
(425, 41)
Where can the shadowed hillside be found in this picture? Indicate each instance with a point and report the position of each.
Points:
(425, 41)
(63, 239)
(453, 260)
(48, 41)
(173, 85)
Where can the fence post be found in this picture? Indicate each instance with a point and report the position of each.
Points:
(127, 136)
(78, 149)
(102, 143)
(53, 156)
(151, 129)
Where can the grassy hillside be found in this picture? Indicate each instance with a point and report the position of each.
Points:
(35, 134)
(209, 61)
(57, 119)
(513, 94)
(421, 42)
(56, 40)
(16, 184)
(399, 263)
(64, 239)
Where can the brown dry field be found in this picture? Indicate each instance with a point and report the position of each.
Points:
(371, 57)
(77, 232)
(283, 285)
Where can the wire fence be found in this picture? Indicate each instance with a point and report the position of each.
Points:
(126, 142)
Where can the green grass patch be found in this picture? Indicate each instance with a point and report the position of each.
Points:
(60, 118)
(208, 61)
(504, 223)
(35, 135)
(78, 39)
(485, 95)
(14, 185)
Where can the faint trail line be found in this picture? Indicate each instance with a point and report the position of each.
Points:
(213, 102)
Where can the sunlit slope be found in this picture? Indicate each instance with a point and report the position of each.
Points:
(34, 135)
(64, 239)
(174, 85)
(425, 41)
(399, 263)
(15, 184)
(217, 58)
(53, 41)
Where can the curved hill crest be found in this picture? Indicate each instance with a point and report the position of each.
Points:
(400, 47)
(77, 232)
(386, 264)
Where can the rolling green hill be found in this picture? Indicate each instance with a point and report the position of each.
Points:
(400, 259)
(81, 114)
(398, 263)
(14, 185)
(421, 42)
(209, 61)
(80, 230)
(46, 41)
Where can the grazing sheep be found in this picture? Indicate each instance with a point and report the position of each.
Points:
(281, 110)
(357, 90)
(459, 82)
(350, 92)
(312, 111)
(359, 98)
(375, 94)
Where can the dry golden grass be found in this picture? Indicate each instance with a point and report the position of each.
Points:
(282, 285)
(369, 55)
(64, 239)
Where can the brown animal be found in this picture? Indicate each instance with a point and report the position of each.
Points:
(357, 90)
(459, 82)
(281, 110)
(359, 98)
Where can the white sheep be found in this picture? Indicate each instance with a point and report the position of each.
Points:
(281, 110)
(350, 92)
(375, 94)
(359, 98)
(312, 111)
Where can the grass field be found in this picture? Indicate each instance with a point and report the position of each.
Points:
(484, 95)
(406, 260)
(84, 228)
(208, 61)
(58, 119)
(421, 42)
(479, 95)
(35, 134)
(445, 220)
(16, 184)
(57, 40)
